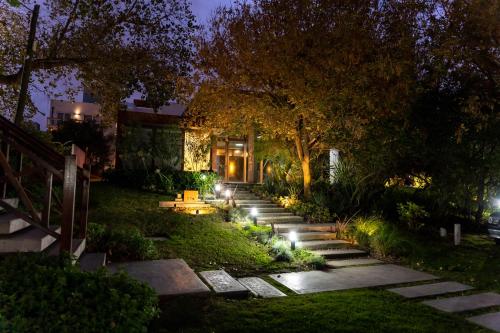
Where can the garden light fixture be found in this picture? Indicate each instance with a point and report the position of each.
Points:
(293, 238)
(497, 203)
(228, 195)
(218, 188)
(254, 212)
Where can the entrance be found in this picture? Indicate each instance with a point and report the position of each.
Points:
(231, 160)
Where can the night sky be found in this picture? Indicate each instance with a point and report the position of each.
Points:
(202, 9)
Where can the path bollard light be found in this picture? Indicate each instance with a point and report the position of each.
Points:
(228, 195)
(254, 212)
(457, 234)
(442, 232)
(293, 238)
(218, 188)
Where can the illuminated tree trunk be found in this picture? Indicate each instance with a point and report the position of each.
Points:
(303, 152)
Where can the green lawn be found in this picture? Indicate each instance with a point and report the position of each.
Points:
(205, 242)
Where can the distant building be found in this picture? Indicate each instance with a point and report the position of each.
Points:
(61, 111)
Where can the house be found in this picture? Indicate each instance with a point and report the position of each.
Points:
(179, 146)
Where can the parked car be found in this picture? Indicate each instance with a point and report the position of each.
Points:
(494, 226)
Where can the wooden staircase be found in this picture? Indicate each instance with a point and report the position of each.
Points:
(34, 217)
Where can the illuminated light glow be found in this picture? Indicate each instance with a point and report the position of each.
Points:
(237, 151)
(292, 236)
(203, 177)
(239, 145)
(218, 187)
(232, 168)
(269, 169)
(254, 212)
(78, 111)
(228, 194)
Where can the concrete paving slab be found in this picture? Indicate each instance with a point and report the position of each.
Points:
(352, 262)
(349, 278)
(261, 288)
(430, 289)
(339, 253)
(489, 320)
(223, 283)
(465, 303)
(172, 277)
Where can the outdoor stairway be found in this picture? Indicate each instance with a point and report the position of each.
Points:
(318, 238)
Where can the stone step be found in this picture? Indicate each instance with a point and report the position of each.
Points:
(224, 284)
(265, 210)
(246, 197)
(322, 244)
(91, 262)
(305, 227)
(465, 303)
(281, 219)
(269, 215)
(340, 253)
(312, 235)
(78, 246)
(260, 288)
(433, 289)
(258, 206)
(489, 320)
(27, 240)
(252, 202)
(352, 262)
(14, 202)
(9, 224)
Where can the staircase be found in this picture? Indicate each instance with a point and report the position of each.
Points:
(320, 239)
(28, 166)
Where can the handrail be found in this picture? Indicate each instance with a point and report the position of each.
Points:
(71, 170)
(42, 149)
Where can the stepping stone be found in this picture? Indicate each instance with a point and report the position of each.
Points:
(223, 283)
(172, 277)
(349, 278)
(465, 303)
(339, 253)
(353, 262)
(489, 320)
(91, 262)
(430, 289)
(261, 288)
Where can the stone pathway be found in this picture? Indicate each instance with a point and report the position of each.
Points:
(465, 303)
(430, 289)
(224, 284)
(349, 278)
(167, 277)
(260, 288)
(489, 320)
(352, 262)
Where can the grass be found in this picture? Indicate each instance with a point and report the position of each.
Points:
(475, 262)
(205, 242)
(345, 311)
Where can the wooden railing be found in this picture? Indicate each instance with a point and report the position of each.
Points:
(26, 163)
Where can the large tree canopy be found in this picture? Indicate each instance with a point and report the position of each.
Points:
(311, 72)
(113, 47)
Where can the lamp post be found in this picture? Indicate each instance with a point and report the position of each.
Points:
(228, 195)
(254, 212)
(293, 238)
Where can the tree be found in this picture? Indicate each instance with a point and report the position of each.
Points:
(88, 136)
(113, 47)
(307, 71)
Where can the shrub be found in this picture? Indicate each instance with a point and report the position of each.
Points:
(310, 259)
(311, 212)
(261, 234)
(380, 237)
(121, 243)
(49, 294)
(412, 214)
(281, 250)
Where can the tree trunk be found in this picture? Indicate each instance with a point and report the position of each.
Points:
(305, 159)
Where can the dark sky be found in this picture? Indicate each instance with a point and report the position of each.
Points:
(202, 9)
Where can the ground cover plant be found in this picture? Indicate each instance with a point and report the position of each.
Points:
(49, 294)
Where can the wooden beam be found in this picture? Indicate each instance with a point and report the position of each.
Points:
(47, 200)
(84, 208)
(4, 164)
(68, 209)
